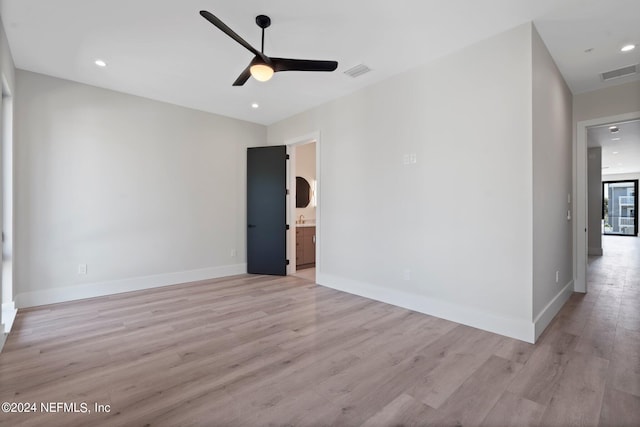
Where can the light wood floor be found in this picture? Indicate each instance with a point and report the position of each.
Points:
(256, 350)
(307, 273)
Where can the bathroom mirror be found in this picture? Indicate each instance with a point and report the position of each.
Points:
(303, 192)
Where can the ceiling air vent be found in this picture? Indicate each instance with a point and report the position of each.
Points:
(620, 72)
(357, 71)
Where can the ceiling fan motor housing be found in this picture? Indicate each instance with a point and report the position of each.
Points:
(263, 21)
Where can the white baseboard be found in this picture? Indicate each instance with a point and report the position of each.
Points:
(549, 312)
(98, 289)
(9, 312)
(3, 339)
(520, 329)
(595, 251)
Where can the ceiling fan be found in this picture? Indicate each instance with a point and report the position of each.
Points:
(261, 66)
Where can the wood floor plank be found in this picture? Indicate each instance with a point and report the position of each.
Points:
(512, 410)
(453, 364)
(474, 399)
(402, 411)
(619, 409)
(578, 397)
(538, 378)
(363, 400)
(597, 338)
(624, 364)
(517, 351)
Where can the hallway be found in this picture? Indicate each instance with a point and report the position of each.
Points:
(606, 323)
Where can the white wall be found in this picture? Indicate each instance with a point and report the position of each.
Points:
(594, 197)
(144, 193)
(306, 168)
(610, 101)
(552, 185)
(465, 242)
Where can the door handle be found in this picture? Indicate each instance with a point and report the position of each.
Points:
(251, 226)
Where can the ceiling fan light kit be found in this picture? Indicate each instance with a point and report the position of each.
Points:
(260, 71)
(261, 66)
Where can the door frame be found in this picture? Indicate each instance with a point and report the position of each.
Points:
(8, 309)
(291, 205)
(580, 243)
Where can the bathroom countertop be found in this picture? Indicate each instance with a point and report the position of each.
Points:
(306, 224)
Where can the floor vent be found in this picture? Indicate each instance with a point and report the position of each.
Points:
(357, 71)
(620, 72)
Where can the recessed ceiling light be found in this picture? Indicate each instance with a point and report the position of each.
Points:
(627, 48)
(255, 105)
(615, 139)
(100, 63)
(615, 152)
(613, 129)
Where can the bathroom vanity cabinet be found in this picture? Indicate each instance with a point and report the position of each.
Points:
(305, 247)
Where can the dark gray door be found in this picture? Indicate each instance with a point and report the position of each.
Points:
(266, 210)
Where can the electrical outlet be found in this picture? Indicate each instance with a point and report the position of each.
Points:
(413, 158)
(233, 253)
(82, 269)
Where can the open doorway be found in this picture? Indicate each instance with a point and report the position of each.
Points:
(303, 208)
(606, 193)
(614, 155)
(620, 208)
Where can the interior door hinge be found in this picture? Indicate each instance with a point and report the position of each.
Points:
(286, 227)
(287, 192)
(287, 157)
(287, 262)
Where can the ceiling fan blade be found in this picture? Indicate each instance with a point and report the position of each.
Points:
(286, 64)
(243, 77)
(228, 31)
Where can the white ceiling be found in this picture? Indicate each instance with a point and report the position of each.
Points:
(620, 150)
(164, 50)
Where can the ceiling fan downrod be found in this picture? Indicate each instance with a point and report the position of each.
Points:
(263, 22)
